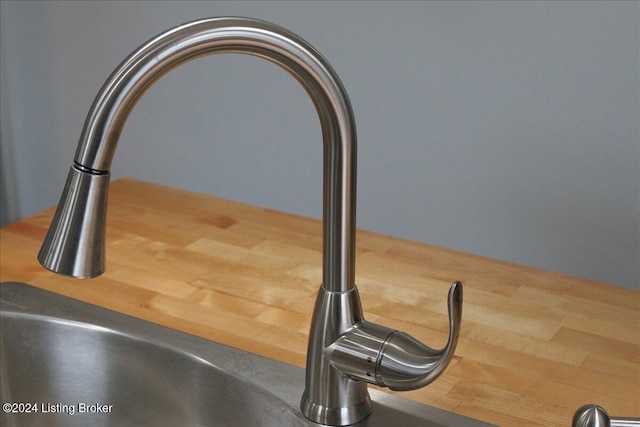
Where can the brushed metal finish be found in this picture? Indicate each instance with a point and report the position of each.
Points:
(407, 364)
(332, 397)
(74, 244)
(591, 415)
(57, 350)
(336, 391)
(379, 355)
(172, 48)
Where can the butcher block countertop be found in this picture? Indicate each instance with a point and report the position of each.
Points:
(534, 345)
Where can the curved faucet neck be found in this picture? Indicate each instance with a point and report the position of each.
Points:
(161, 54)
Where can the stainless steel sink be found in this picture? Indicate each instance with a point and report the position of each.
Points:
(75, 364)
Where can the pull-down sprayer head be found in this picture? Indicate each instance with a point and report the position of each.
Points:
(75, 243)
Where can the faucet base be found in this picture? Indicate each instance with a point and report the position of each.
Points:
(335, 416)
(332, 397)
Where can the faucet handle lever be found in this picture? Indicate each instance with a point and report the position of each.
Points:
(407, 364)
(386, 357)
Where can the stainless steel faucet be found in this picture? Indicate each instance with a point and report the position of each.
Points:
(345, 352)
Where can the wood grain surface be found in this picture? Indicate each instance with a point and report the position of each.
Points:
(534, 345)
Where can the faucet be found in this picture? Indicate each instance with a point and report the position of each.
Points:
(345, 352)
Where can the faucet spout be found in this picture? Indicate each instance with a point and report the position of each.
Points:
(345, 352)
(135, 75)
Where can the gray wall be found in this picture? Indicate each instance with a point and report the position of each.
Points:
(506, 129)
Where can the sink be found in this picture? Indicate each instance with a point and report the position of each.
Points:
(77, 364)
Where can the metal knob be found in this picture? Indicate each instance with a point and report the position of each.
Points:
(592, 415)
